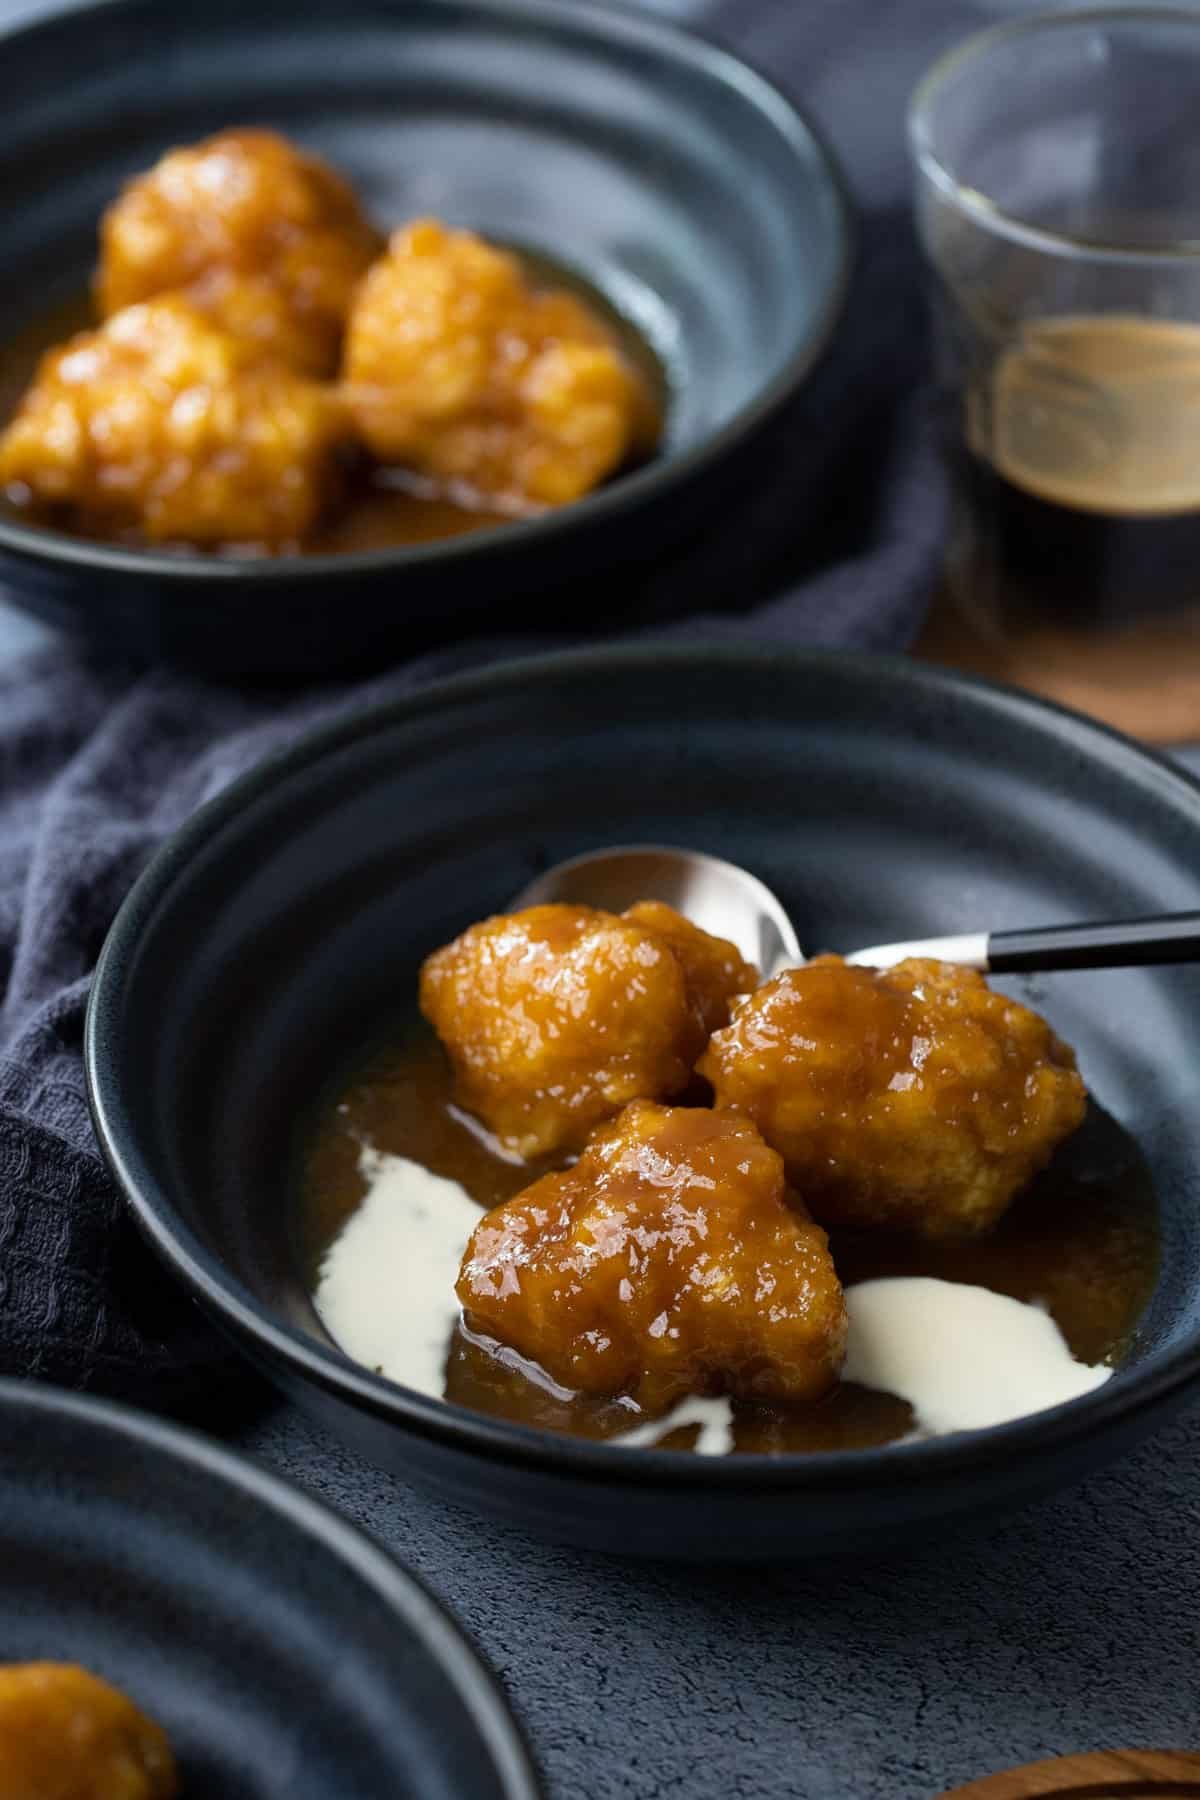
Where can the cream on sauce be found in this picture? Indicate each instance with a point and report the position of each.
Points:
(713, 1415)
(385, 1287)
(961, 1356)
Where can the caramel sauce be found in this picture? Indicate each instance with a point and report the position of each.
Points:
(1082, 1240)
(387, 510)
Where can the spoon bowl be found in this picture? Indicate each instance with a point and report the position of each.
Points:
(718, 896)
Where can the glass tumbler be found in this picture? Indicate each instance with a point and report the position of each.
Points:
(1057, 168)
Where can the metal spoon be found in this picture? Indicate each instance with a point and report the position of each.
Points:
(726, 900)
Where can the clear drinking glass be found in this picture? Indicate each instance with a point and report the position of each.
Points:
(1058, 200)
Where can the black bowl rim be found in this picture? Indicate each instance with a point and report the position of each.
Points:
(403, 1593)
(589, 19)
(440, 1421)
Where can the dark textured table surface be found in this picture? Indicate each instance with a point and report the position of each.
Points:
(1074, 1626)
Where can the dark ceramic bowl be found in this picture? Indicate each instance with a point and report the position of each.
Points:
(880, 799)
(286, 1656)
(665, 173)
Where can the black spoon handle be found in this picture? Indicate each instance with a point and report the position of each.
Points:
(1114, 944)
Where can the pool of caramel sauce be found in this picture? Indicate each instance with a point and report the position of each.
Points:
(1082, 1240)
(379, 509)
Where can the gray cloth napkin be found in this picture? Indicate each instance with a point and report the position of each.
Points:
(99, 763)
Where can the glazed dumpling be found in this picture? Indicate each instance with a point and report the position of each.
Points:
(245, 204)
(912, 1098)
(162, 426)
(556, 1016)
(456, 367)
(669, 1260)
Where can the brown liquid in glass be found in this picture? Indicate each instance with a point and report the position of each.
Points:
(1080, 474)
(1082, 1241)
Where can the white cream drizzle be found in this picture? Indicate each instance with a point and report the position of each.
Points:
(961, 1356)
(385, 1288)
(713, 1416)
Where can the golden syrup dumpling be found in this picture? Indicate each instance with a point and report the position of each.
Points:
(160, 425)
(457, 367)
(669, 1260)
(912, 1098)
(554, 1018)
(246, 202)
(557, 1016)
(67, 1735)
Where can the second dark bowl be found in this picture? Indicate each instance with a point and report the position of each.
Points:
(284, 927)
(286, 1655)
(658, 168)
